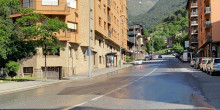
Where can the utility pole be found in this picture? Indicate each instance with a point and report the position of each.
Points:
(121, 37)
(90, 73)
(134, 42)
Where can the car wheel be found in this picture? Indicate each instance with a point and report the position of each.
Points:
(211, 73)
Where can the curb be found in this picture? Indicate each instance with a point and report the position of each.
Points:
(47, 84)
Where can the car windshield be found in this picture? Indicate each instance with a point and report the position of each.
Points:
(217, 60)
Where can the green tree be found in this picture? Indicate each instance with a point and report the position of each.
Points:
(158, 43)
(12, 68)
(178, 48)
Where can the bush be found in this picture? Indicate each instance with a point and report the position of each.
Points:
(129, 58)
(12, 68)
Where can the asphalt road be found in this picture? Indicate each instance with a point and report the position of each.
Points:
(157, 84)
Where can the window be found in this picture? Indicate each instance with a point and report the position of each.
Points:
(72, 27)
(27, 4)
(100, 21)
(49, 52)
(100, 59)
(70, 52)
(99, 3)
(104, 7)
(72, 3)
(28, 69)
(100, 42)
(50, 2)
(105, 25)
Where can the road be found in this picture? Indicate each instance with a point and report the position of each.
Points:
(157, 84)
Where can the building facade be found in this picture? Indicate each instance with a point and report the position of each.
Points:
(208, 27)
(108, 23)
(136, 41)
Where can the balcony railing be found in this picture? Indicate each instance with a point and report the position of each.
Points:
(194, 31)
(208, 24)
(39, 6)
(208, 10)
(109, 19)
(109, 34)
(194, 22)
(208, 36)
(109, 3)
(194, 40)
(194, 5)
(194, 13)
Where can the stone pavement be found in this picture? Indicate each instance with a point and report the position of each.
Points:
(209, 85)
(19, 86)
(98, 72)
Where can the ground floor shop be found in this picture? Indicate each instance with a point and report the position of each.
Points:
(72, 61)
(211, 49)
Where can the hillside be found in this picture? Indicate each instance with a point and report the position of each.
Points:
(136, 7)
(159, 11)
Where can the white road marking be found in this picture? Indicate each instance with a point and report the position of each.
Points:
(96, 98)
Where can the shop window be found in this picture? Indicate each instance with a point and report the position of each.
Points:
(28, 69)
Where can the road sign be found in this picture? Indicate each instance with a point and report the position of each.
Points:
(186, 44)
(87, 52)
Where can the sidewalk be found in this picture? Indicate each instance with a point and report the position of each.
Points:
(19, 86)
(209, 85)
(97, 72)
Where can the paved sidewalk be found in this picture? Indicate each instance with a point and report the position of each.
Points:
(209, 85)
(19, 86)
(98, 72)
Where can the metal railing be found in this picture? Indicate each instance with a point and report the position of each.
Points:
(193, 4)
(194, 22)
(208, 24)
(194, 13)
(194, 40)
(208, 10)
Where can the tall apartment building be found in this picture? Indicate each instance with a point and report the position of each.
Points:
(208, 27)
(108, 23)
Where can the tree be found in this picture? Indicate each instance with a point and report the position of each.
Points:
(19, 39)
(12, 68)
(178, 48)
(158, 43)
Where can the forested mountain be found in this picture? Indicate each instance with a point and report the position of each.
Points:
(172, 24)
(136, 7)
(160, 10)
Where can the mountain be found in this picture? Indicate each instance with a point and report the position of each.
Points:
(136, 7)
(159, 11)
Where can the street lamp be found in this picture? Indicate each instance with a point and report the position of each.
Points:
(122, 15)
(90, 73)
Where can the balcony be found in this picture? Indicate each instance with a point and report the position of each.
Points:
(194, 31)
(208, 24)
(194, 41)
(194, 14)
(109, 34)
(194, 23)
(209, 36)
(109, 3)
(207, 10)
(49, 8)
(109, 19)
(194, 5)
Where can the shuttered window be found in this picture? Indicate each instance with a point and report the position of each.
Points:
(72, 27)
(50, 2)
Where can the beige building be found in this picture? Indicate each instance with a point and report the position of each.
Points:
(108, 25)
(208, 23)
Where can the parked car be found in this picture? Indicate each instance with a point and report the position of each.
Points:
(206, 65)
(160, 56)
(138, 62)
(147, 58)
(192, 62)
(214, 66)
(181, 58)
(203, 63)
(198, 61)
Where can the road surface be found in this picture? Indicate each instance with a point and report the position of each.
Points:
(157, 84)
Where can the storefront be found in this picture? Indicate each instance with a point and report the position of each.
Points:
(111, 60)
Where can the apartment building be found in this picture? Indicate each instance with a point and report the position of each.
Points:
(192, 8)
(108, 23)
(208, 27)
(136, 41)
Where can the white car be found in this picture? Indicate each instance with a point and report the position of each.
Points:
(138, 62)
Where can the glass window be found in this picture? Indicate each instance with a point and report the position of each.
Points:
(217, 60)
(28, 69)
(72, 3)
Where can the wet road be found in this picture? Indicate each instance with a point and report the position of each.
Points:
(157, 84)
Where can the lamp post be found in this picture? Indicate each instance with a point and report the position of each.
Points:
(90, 73)
(122, 15)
